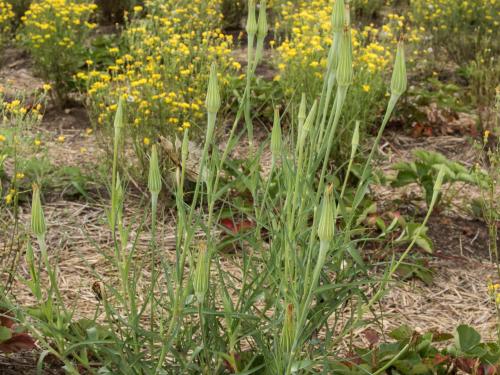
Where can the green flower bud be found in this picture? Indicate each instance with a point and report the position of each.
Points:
(302, 109)
(399, 79)
(154, 178)
(119, 122)
(288, 333)
(355, 139)
(306, 126)
(310, 118)
(38, 226)
(326, 227)
(116, 202)
(262, 27)
(338, 16)
(347, 14)
(201, 274)
(213, 101)
(276, 135)
(251, 21)
(344, 67)
(185, 147)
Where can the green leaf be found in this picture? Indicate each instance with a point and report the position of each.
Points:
(404, 178)
(466, 338)
(401, 333)
(5, 334)
(425, 243)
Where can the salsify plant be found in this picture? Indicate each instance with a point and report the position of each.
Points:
(297, 287)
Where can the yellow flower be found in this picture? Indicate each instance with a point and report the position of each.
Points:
(61, 138)
(8, 197)
(146, 141)
(19, 176)
(137, 9)
(37, 142)
(83, 150)
(47, 87)
(486, 135)
(366, 88)
(2, 138)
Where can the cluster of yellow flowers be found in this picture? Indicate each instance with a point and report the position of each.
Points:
(494, 292)
(459, 25)
(163, 71)
(49, 22)
(6, 16)
(15, 117)
(308, 29)
(55, 32)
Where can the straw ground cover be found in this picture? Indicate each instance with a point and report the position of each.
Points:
(211, 262)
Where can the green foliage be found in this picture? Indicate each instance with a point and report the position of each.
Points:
(19, 7)
(424, 171)
(414, 353)
(115, 10)
(55, 34)
(473, 24)
(6, 18)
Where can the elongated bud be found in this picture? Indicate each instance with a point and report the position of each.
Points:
(310, 118)
(262, 27)
(305, 126)
(116, 202)
(202, 273)
(355, 138)
(344, 68)
(251, 21)
(347, 14)
(276, 135)
(338, 16)
(154, 179)
(262, 30)
(399, 79)
(326, 227)
(288, 332)
(185, 146)
(213, 101)
(119, 122)
(38, 226)
(302, 110)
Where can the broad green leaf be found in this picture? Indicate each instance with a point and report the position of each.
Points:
(401, 333)
(466, 338)
(5, 334)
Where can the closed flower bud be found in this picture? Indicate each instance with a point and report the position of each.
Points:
(213, 101)
(288, 333)
(185, 146)
(347, 14)
(201, 274)
(276, 135)
(344, 67)
(326, 227)
(338, 16)
(302, 109)
(310, 118)
(154, 178)
(262, 27)
(355, 138)
(119, 122)
(251, 21)
(399, 79)
(38, 226)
